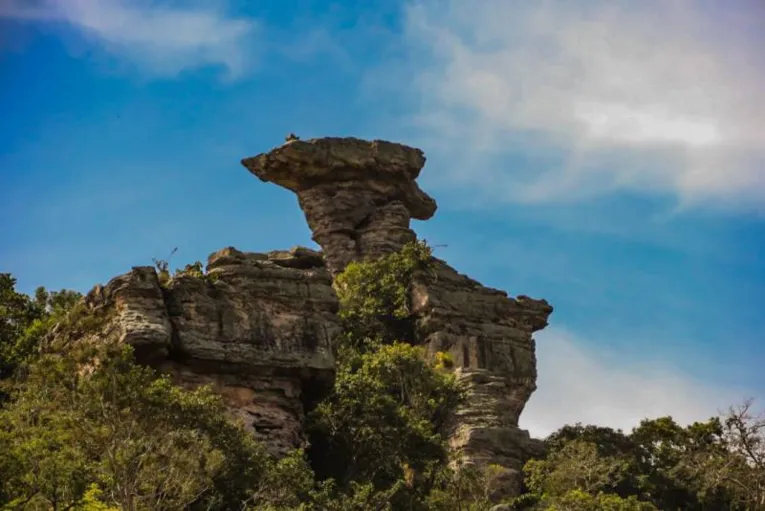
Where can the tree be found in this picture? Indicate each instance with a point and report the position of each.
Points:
(383, 417)
(25, 321)
(17, 313)
(461, 487)
(697, 467)
(92, 418)
(742, 470)
(375, 296)
(576, 466)
(378, 435)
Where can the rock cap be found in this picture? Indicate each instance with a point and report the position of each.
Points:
(299, 165)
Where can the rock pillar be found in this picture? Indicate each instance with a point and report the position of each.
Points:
(357, 196)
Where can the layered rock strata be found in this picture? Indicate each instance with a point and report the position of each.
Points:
(489, 336)
(358, 197)
(257, 327)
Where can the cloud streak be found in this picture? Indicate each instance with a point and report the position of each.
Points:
(578, 383)
(657, 97)
(161, 38)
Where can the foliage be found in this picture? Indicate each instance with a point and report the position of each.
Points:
(95, 418)
(742, 470)
(24, 322)
(580, 500)
(384, 416)
(194, 269)
(380, 429)
(92, 500)
(444, 360)
(375, 297)
(17, 313)
(577, 465)
(703, 466)
(76, 323)
(163, 267)
(464, 488)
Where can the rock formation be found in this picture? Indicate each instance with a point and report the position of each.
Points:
(257, 327)
(358, 198)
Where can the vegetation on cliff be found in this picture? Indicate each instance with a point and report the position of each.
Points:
(88, 429)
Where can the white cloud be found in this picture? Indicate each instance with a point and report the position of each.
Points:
(659, 97)
(583, 383)
(160, 37)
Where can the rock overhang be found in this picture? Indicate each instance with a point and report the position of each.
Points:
(299, 165)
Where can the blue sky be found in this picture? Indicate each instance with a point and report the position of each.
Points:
(605, 156)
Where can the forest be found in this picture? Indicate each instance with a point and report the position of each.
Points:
(84, 427)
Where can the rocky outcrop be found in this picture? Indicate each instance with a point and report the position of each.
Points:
(358, 197)
(489, 336)
(257, 327)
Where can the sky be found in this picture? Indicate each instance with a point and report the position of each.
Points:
(606, 156)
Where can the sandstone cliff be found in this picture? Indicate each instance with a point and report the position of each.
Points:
(259, 327)
(358, 198)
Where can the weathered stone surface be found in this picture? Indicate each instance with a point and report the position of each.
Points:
(358, 198)
(258, 327)
(141, 318)
(489, 336)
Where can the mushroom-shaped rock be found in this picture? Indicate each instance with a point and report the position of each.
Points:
(358, 196)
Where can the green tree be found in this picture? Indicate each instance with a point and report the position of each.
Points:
(56, 303)
(579, 500)
(25, 321)
(697, 467)
(375, 296)
(377, 437)
(17, 313)
(460, 487)
(95, 417)
(576, 466)
(383, 417)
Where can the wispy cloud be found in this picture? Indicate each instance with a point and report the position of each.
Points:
(162, 38)
(592, 384)
(657, 97)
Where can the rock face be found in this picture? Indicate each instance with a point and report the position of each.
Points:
(489, 336)
(358, 198)
(257, 327)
